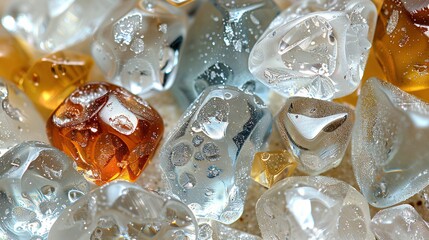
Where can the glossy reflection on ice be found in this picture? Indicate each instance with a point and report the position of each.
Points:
(207, 158)
(316, 131)
(315, 48)
(139, 49)
(313, 208)
(398, 223)
(19, 120)
(217, 48)
(37, 182)
(122, 210)
(389, 145)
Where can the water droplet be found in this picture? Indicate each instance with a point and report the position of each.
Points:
(227, 95)
(213, 171)
(198, 156)
(265, 156)
(187, 180)
(197, 140)
(137, 46)
(181, 154)
(11, 111)
(211, 152)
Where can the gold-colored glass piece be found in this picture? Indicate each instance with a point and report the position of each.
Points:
(14, 61)
(271, 167)
(51, 79)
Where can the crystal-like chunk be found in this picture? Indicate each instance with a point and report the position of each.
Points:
(14, 60)
(207, 158)
(109, 132)
(217, 49)
(389, 152)
(400, 222)
(401, 44)
(19, 120)
(313, 207)
(139, 49)
(121, 210)
(316, 131)
(53, 77)
(315, 48)
(271, 167)
(37, 182)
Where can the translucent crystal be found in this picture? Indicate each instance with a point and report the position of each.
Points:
(37, 182)
(313, 207)
(207, 158)
(110, 133)
(19, 120)
(271, 167)
(317, 132)
(121, 210)
(389, 152)
(401, 44)
(217, 51)
(398, 223)
(139, 49)
(52, 25)
(316, 48)
(53, 77)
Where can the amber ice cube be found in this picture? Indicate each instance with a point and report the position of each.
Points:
(109, 132)
(14, 60)
(52, 78)
(271, 167)
(401, 43)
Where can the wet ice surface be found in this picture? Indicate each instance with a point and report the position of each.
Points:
(37, 182)
(207, 158)
(140, 47)
(313, 207)
(315, 49)
(217, 50)
(389, 150)
(399, 222)
(122, 210)
(19, 120)
(170, 111)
